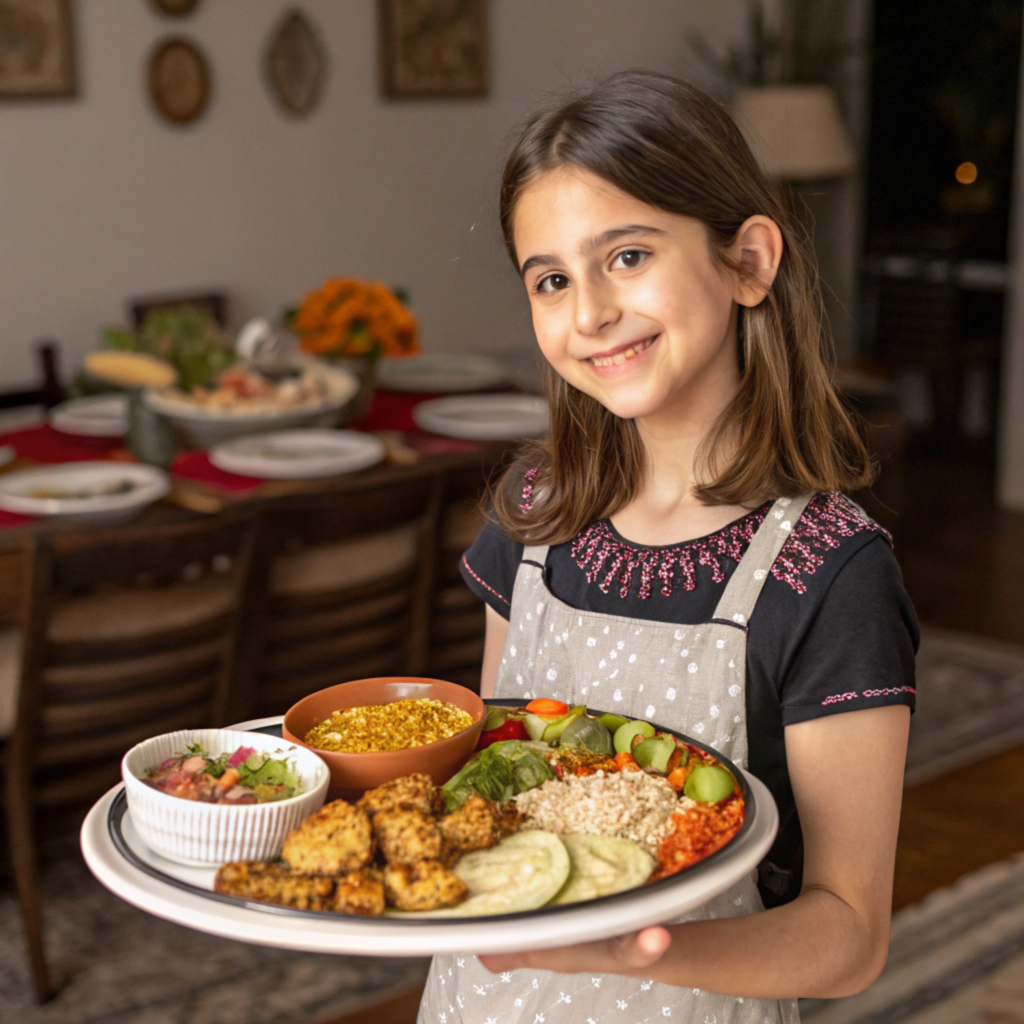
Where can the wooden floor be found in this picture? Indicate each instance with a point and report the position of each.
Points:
(963, 565)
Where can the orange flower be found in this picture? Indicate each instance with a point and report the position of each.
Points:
(346, 316)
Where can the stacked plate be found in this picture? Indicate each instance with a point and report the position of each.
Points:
(499, 417)
(298, 454)
(94, 490)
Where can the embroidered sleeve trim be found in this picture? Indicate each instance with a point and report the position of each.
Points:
(483, 583)
(885, 691)
(610, 562)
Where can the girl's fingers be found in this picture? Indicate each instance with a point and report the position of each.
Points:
(622, 955)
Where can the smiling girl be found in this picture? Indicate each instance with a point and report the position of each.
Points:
(680, 550)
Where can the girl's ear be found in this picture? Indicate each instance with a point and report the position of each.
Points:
(757, 251)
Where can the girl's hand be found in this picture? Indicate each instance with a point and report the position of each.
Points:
(626, 954)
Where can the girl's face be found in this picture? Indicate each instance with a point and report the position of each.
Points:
(627, 303)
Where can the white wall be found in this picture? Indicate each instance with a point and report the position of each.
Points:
(101, 200)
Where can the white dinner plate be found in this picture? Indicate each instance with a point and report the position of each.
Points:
(94, 489)
(484, 417)
(299, 454)
(125, 865)
(442, 373)
(95, 416)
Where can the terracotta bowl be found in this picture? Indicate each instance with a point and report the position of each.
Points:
(352, 774)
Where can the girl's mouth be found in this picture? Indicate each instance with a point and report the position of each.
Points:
(623, 355)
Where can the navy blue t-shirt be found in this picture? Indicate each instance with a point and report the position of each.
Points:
(833, 630)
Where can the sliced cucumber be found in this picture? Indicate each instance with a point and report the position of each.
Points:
(612, 721)
(709, 783)
(534, 726)
(623, 739)
(654, 753)
(600, 865)
(522, 872)
(557, 727)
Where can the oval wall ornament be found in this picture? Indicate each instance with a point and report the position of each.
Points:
(179, 80)
(296, 64)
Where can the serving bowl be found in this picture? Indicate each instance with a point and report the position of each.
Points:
(353, 774)
(204, 427)
(189, 832)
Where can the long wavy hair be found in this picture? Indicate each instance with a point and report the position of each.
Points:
(786, 431)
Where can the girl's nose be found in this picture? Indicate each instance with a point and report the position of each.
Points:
(595, 308)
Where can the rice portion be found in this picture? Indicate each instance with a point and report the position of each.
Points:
(630, 805)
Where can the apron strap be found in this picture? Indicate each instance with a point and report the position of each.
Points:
(536, 553)
(744, 586)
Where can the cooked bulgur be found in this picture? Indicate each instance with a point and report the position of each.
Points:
(375, 728)
(631, 805)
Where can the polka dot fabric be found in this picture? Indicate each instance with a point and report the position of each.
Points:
(688, 678)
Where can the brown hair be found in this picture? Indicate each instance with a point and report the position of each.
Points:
(670, 145)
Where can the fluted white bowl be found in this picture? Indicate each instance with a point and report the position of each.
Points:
(190, 832)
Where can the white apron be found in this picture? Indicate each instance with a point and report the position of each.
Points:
(690, 678)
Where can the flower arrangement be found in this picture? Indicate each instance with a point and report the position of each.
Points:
(349, 317)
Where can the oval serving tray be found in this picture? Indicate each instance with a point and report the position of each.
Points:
(127, 867)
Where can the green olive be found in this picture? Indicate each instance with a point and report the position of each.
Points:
(709, 784)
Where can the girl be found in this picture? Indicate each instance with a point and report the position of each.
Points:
(680, 551)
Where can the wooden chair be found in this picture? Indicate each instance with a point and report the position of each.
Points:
(457, 620)
(127, 633)
(48, 391)
(340, 591)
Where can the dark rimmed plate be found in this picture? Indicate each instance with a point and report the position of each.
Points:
(119, 807)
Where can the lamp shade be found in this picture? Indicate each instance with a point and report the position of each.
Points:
(796, 131)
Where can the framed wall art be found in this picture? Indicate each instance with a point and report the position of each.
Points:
(433, 48)
(296, 64)
(178, 77)
(36, 49)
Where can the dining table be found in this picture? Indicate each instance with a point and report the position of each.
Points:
(199, 488)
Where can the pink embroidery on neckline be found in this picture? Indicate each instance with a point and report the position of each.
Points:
(828, 519)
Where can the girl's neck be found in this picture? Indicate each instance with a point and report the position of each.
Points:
(666, 511)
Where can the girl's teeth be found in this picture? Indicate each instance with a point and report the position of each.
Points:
(621, 357)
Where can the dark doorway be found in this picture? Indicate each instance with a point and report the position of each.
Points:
(944, 92)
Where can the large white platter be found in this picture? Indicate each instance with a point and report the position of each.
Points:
(299, 454)
(442, 373)
(94, 416)
(157, 888)
(20, 491)
(498, 417)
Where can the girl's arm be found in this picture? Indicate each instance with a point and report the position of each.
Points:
(847, 776)
(494, 644)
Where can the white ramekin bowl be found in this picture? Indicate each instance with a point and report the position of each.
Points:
(190, 832)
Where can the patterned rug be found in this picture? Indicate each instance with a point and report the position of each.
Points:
(118, 965)
(970, 702)
(956, 958)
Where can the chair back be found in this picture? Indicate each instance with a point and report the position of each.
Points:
(340, 591)
(48, 391)
(128, 633)
(457, 619)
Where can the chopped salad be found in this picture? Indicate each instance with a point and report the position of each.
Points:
(242, 777)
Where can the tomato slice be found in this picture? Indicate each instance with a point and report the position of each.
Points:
(547, 707)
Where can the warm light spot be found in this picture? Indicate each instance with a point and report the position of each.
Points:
(967, 173)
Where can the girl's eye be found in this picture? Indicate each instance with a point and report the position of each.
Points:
(630, 258)
(552, 283)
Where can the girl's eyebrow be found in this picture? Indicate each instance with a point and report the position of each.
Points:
(592, 243)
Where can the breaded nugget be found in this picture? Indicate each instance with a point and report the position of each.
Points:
(473, 826)
(406, 836)
(360, 892)
(416, 790)
(332, 841)
(428, 885)
(273, 883)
